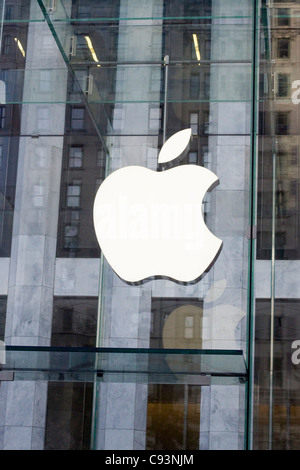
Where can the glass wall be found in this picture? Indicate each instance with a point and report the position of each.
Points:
(276, 397)
(69, 405)
(103, 86)
(182, 64)
(12, 64)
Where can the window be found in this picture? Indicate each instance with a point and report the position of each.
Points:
(41, 159)
(71, 236)
(43, 123)
(75, 217)
(207, 46)
(283, 85)
(8, 15)
(77, 118)
(74, 325)
(1, 156)
(282, 123)
(206, 156)
(206, 122)
(100, 158)
(84, 11)
(2, 117)
(155, 85)
(283, 48)
(154, 118)
(194, 120)
(118, 118)
(283, 18)
(263, 84)
(262, 124)
(294, 156)
(7, 44)
(194, 86)
(75, 157)
(73, 194)
(97, 184)
(189, 327)
(38, 194)
(206, 86)
(293, 187)
(45, 81)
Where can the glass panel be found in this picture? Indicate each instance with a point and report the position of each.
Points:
(69, 416)
(70, 404)
(127, 365)
(21, 11)
(187, 9)
(115, 79)
(276, 394)
(173, 417)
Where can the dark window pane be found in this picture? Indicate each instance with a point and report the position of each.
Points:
(194, 86)
(282, 123)
(69, 405)
(283, 48)
(283, 17)
(283, 85)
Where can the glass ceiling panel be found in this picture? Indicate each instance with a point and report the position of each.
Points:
(86, 53)
(58, 11)
(200, 367)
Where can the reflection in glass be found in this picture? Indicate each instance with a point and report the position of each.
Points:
(69, 405)
(209, 89)
(173, 418)
(286, 400)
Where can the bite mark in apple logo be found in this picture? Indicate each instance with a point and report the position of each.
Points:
(150, 224)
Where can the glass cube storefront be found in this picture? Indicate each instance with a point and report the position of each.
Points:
(95, 362)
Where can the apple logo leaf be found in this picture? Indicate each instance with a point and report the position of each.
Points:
(175, 147)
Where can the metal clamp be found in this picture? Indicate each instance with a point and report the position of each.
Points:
(52, 6)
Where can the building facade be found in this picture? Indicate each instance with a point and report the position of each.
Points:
(92, 361)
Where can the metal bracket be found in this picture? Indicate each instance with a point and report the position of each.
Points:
(52, 6)
(73, 46)
(89, 84)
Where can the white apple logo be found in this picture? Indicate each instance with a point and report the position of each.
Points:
(150, 223)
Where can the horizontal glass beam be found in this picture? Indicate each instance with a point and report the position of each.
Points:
(125, 365)
(58, 12)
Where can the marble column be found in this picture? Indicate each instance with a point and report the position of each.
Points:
(31, 277)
